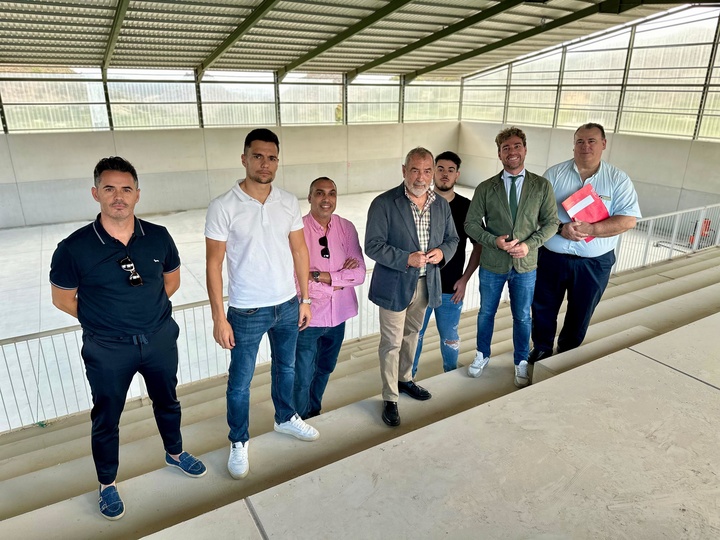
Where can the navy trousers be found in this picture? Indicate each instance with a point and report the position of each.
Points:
(584, 279)
(110, 364)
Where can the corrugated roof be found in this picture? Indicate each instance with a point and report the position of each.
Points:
(329, 36)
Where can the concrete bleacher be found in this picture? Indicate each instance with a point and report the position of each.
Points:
(458, 450)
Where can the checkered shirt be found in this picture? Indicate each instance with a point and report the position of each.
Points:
(422, 222)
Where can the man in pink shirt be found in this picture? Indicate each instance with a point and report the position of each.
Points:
(336, 268)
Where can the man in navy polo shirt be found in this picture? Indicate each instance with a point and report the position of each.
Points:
(116, 275)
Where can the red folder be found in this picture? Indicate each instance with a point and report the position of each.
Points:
(586, 205)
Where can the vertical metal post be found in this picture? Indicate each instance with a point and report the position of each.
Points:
(198, 98)
(345, 111)
(401, 108)
(3, 120)
(507, 94)
(276, 84)
(626, 74)
(111, 124)
(559, 87)
(648, 242)
(462, 94)
(708, 79)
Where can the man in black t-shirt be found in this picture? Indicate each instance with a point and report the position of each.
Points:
(453, 278)
(116, 276)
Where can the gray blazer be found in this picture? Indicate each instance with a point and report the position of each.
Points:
(390, 238)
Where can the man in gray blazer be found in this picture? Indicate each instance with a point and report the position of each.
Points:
(410, 234)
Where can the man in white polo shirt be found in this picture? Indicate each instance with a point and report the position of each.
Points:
(260, 228)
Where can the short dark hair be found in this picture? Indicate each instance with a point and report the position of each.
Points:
(419, 152)
(506, 133)
(114, 163)
(261, 134)
(450, 156)
(592, 125)
(318, 180)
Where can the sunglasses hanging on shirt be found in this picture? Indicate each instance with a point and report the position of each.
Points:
(129, 266)
(324, 252)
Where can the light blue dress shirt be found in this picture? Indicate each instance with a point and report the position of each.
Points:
(614, 188)
(518, 183)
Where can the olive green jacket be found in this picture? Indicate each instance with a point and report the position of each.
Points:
(489, 217)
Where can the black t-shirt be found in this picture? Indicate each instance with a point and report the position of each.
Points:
(108, 305)
(453, 270)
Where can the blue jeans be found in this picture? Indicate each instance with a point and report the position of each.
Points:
(522, 287)
(315, 359)
(249, 325)
(447, 318)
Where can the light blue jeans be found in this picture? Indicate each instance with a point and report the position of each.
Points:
(447, 318)
(522, 287)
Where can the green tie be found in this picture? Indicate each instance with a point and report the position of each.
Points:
(513, 197)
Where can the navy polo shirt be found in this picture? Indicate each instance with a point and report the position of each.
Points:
(108, 305)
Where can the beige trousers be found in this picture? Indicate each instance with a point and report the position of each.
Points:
(398, 341)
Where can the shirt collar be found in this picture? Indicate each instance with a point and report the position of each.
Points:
(507, 175)
(103, 235)
(245, 197)
(316, 225)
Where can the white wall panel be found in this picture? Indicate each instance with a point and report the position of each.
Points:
(161, 151)
(53, 156)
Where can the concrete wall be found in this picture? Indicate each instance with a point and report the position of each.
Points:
(669, 174)
(46, 178)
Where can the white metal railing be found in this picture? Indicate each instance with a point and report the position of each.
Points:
(42, 376)
(663, 237)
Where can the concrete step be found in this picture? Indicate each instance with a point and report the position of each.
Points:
(274, 459)
(589, 351)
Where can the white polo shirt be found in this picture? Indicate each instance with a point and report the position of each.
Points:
(259, 259)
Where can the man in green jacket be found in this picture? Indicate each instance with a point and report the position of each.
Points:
(511, 215)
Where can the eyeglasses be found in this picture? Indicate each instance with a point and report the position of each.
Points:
(129, 266)
(324, 252)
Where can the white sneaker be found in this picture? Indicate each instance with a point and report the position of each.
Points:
(476, 368)
(298, 429)
(521, 374)
(238, 464)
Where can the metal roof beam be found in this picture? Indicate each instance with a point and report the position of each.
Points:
(498, 8)
(246, 25)
(608, 6)
(122, 8)
(381, 13)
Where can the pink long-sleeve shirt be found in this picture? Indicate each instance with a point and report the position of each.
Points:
(331, 306)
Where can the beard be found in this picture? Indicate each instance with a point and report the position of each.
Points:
(261, 179)
(417, 191)
(441, 187)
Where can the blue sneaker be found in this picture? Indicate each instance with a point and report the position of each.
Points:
(188, 464)
(111, 505)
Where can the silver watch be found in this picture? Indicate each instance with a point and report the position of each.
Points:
(306, 301)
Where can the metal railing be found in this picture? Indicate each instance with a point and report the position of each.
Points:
(42, 376)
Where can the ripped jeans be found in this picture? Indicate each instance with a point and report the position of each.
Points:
(447, 317)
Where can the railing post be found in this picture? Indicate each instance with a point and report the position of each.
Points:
(673, 238)
(698, 229)
(650, 229)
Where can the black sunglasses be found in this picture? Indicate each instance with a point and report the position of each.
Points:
(324, 252)
(129, 266)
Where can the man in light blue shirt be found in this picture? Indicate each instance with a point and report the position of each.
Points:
(567, 263)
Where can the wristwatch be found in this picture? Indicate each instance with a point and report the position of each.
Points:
(316, 276)
(559, 231)
(307, 301)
